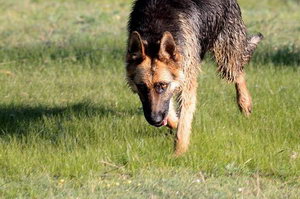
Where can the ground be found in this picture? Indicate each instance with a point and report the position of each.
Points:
(71, 128)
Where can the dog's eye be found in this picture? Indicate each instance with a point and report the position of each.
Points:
(160, 87)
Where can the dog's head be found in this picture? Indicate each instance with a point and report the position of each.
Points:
(154, 76)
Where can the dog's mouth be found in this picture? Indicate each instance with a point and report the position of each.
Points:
(163, 123)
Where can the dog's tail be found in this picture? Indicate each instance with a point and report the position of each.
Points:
(252, 43)
(255, 39)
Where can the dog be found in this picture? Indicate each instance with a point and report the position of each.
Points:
(167, 41)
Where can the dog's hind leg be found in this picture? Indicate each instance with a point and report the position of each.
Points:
(232, 52)
(243, 96)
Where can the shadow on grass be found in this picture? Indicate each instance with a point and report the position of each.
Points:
(287, 55)
(16, 120)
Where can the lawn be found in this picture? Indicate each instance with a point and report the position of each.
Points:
(71, 128)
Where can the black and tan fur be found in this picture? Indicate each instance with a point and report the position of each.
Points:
(167, 41)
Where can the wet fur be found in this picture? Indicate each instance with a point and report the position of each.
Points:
(196, 27)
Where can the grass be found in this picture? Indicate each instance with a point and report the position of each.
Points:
(70, 128)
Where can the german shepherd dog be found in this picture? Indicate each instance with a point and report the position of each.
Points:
(167, 41)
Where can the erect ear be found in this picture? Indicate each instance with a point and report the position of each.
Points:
(136, 50)
(168, 49)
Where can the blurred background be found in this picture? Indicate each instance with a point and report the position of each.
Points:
(101, 25)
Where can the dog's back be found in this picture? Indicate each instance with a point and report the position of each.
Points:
(203, 19)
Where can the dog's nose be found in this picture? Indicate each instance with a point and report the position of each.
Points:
(157, 118)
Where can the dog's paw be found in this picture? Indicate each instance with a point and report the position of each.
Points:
(181, 148)
(245, 105)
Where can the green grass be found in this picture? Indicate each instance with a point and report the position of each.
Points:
(70, 127)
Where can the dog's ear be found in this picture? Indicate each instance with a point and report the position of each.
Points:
(136, 49)
(168, 49)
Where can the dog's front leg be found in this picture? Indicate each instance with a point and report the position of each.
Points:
(187, 109)
(172, 116)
